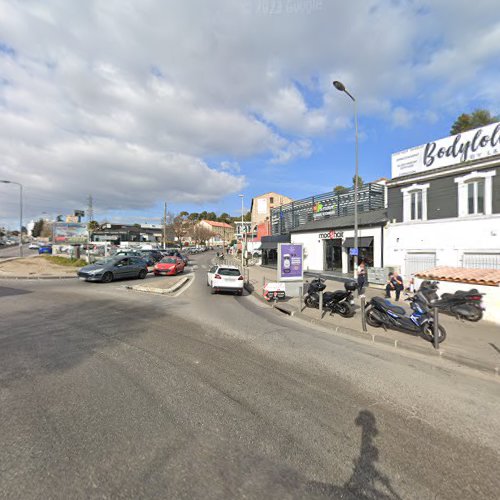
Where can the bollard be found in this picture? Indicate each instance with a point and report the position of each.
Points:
(301, 297)
(436, 328)
(363, 313)
(321, 305)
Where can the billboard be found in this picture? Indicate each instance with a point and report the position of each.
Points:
(290, 262)
(69, 233)
(472, 145)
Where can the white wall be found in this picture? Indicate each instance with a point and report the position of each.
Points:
(448, 238)
(314, 247)
(491, 301)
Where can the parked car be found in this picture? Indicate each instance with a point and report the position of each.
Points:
(176, 253)
(156, 255)
(116, 267)
(45, 249)
(137, 253)
(33, 246)
(225, 278)
(169, 266)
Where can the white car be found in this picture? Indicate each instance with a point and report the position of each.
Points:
(33, 246)
(225, 278)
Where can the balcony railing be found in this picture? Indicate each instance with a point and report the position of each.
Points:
(324, 206)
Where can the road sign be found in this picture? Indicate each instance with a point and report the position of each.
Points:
(353, 251)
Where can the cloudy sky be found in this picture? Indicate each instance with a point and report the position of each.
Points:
(195, 101)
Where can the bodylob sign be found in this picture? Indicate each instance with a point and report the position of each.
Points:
(472, 145)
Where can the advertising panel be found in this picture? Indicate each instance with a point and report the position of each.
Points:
(72, 233)
(290, 262)
(472, 145)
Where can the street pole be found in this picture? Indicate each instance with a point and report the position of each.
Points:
(242, 209)
(20, 214)
(341, 87)
(164, 225)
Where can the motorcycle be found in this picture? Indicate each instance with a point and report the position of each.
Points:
(380, 312)
(340, 301)
(462, 304)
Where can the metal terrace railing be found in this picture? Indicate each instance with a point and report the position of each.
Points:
(323, 206)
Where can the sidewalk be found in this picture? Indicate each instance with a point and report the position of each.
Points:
(473, 344)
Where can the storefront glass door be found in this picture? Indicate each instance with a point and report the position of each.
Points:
(333, 254)
(365, 254)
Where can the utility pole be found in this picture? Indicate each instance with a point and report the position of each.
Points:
(165, 226)
(90, 216)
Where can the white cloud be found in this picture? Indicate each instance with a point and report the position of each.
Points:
(123, 93)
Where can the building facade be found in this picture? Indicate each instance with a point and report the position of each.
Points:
(263, 205)
(444, 204)
(222, 233)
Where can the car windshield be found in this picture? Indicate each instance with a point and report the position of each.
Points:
(168, 260)
(228, 272)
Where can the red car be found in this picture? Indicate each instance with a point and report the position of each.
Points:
(169, 266)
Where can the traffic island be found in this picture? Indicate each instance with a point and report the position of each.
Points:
(164, 286)
(37, 267)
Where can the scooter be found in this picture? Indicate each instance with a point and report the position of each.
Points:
(462, 304)
(340, 301)
(381, 313)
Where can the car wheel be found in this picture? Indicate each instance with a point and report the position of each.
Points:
(142, 274)
(107, 277)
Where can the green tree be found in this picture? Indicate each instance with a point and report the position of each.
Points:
(37, 228)
(212, 216)
(469, 121)
(340, 189)
(360, 181)
(92, 226)
(224, 217)
(183, 214)
(247, 217)
(194, 216)
(204, 215)
(59, 218)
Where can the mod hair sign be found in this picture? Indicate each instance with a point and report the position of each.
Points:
(290, 262)
(472, 145)
(331, 235)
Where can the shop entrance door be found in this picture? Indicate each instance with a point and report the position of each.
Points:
(333, 254)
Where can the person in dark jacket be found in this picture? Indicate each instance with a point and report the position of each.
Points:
(394, 282)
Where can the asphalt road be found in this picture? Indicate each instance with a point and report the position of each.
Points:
(13, 251)
(110, 393)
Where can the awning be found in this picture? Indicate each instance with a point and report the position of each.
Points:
(269, 245)
(363, 242)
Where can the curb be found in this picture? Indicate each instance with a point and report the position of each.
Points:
(378, 339)
(160, 291)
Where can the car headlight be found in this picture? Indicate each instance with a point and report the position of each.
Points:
(96, 271)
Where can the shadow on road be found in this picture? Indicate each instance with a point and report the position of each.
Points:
(366, 481)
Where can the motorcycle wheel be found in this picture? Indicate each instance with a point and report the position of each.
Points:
(372, 320)
(309, 302)
(428, 333)
(345, 310)
(476, 315)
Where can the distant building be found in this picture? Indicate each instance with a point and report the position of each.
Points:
(134, 233)
(223, 233)
(261, 212)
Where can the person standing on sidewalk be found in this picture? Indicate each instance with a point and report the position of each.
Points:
(361, 277)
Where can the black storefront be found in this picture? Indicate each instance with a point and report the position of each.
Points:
(269, 247)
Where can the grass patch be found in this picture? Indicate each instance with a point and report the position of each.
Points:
(64, 261)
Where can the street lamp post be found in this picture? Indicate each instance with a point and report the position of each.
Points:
(341, 87)
(242, 209)
(20, 214)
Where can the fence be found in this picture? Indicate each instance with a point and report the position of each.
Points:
(323, 206)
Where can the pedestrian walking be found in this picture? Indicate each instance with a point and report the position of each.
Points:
(362, 281)
(394, 282)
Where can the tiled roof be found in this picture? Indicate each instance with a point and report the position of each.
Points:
(217, 224)
(487, 277)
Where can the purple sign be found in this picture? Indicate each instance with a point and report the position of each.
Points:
(290, 262)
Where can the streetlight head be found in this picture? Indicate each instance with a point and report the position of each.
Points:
(5, 182)
(339, 86)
